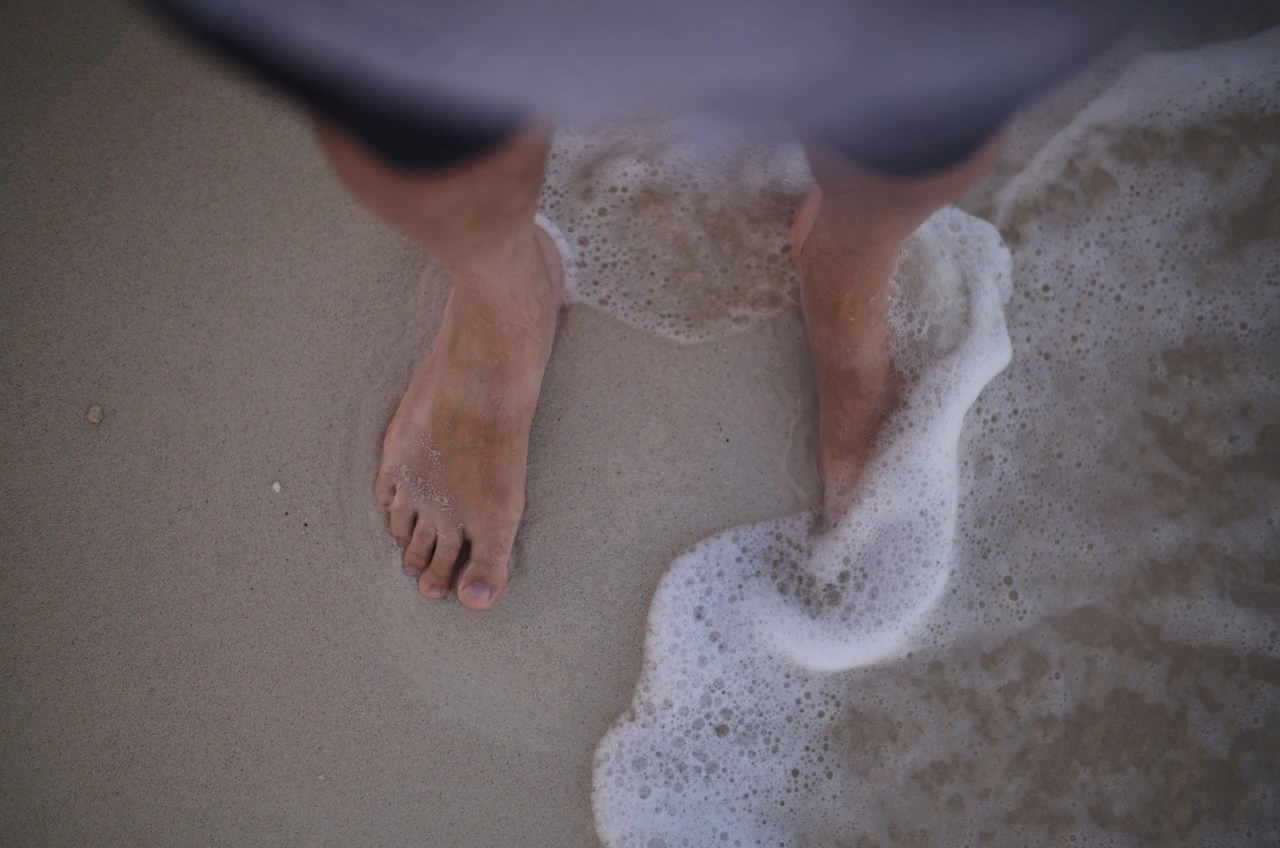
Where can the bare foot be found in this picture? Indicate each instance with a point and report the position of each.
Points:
(453, 460)
(844, 295)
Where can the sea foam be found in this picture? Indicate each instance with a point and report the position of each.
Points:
(1050, 616)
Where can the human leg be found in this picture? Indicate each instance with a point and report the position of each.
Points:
(846, 237)
(453, 464)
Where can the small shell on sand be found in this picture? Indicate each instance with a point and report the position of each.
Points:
(275, 487)
(94, 414)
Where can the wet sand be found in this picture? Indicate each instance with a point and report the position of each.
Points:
(189, 656)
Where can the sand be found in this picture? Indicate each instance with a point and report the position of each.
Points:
(191, 657)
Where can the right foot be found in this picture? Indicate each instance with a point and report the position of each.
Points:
(844, 297)
(846, 248)
(453, 460)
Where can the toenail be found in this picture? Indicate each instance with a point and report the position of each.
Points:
(435, 592)
(477, 593)
(410, 571)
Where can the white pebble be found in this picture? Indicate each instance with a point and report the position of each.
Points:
(94, 414)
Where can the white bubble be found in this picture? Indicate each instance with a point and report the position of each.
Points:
(1041, 621)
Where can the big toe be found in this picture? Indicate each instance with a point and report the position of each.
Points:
(484, 578)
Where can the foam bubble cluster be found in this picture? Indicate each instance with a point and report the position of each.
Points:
(1050, 618)
(675, 229)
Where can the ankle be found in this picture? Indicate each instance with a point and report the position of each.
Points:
(504, 326)
(845, 274)
(503, 270)
(474, 248)
(844, 293)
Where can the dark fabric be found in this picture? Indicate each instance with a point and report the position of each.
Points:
(923, 129)
(925, 137)
(916, 145)
(412, 138)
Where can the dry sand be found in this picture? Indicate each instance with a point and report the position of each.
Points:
(191, 657)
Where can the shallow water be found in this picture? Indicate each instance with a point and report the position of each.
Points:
(707, 251)
(1051, 618)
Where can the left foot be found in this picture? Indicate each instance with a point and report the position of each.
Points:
(844, 296)
(453, 459)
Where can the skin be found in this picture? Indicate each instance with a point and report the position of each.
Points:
(452, 472)
(846, 237)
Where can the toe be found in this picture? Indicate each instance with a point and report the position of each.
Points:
(401, 516)
(418, 551)
(434, 581)
(384, 488)
(485, 576)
